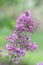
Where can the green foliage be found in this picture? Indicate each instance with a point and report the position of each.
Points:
(7, 22)
(9, 2)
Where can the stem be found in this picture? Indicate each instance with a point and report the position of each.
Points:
(10, 63)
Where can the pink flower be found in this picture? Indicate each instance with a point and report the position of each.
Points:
(19, 40)
(0, 52)
(40, 63)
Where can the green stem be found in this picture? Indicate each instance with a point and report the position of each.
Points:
(10, 63)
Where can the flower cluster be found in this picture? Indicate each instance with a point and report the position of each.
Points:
(19, 40)
(0, 52)
(40, 63)
(25, 22)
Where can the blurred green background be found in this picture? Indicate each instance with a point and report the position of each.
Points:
(9, 12)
